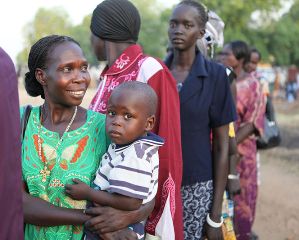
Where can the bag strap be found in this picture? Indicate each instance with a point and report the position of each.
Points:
(24, 120)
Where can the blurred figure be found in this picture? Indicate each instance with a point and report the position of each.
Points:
(291, 85)
(11, 226)
(255, 58)
(251, 110)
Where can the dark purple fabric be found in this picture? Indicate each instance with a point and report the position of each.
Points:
(11, 226)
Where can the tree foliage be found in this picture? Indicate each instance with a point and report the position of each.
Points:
(284, 44)
(45, 22)
(275, 38)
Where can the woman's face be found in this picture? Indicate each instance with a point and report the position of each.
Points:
(98, 47)
(66, 75)
(227, 57)
(251, 66)
(184, 27)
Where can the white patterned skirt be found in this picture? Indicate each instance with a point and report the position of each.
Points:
(197, 202)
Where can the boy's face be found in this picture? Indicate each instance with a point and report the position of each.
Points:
(127, 117)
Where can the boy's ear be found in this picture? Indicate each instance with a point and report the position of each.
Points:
(41, 76)
(150, 123)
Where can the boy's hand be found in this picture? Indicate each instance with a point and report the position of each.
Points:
(77, 191)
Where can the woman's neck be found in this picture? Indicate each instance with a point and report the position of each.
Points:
(241, 74)
(238, 70)
(55, 114)
(183, 60)
(114, 50)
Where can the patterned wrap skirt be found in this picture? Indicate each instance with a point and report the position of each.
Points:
(197, 202)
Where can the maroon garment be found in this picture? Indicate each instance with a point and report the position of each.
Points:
(11, 226)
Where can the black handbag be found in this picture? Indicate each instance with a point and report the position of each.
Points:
(24, 120)
(271, 136)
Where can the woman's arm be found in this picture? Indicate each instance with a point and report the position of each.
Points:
(233, 183)
(42, 213)
(244, 132)
(107, 219)
(220, 172)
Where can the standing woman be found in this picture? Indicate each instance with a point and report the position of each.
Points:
(115, 26)
(250, 110)
(206, 106)
(62, 140)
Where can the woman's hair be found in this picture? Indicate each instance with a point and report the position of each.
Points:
(240, 50)
(116, 20)
(254, 50)
(201, 9)
(38, 58)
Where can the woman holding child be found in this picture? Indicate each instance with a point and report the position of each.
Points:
(62, 140)
(64, 143)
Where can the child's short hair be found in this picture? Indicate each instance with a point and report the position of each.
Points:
(142, 91)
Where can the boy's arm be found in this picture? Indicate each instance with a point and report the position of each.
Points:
(114, 200)
(81, 191)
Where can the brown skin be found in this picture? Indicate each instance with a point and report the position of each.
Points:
(108, 219)
(81, 191)
(41, 213)
(220, 172)
(66, 72)
(233, 185)
(184, 29)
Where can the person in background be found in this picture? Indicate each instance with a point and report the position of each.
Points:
(291, 83)
(128, 173)
(250, 109)
(11, 226)
(62, 140)
(214, 37)
(115, 26)
(206, 106)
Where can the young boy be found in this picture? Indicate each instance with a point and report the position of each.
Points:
(128, 173)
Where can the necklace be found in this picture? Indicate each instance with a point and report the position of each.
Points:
(45, 171)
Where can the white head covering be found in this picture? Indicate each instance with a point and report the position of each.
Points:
(213, 35)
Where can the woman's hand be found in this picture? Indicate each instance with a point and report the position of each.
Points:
(233, 184)
(234, 187)
(107, 219)
(212, 233)
(124, 234)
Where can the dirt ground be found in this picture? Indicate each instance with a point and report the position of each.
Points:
(278, 198)
(277, 216)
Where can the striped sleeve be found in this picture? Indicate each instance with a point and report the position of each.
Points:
(132, 176)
